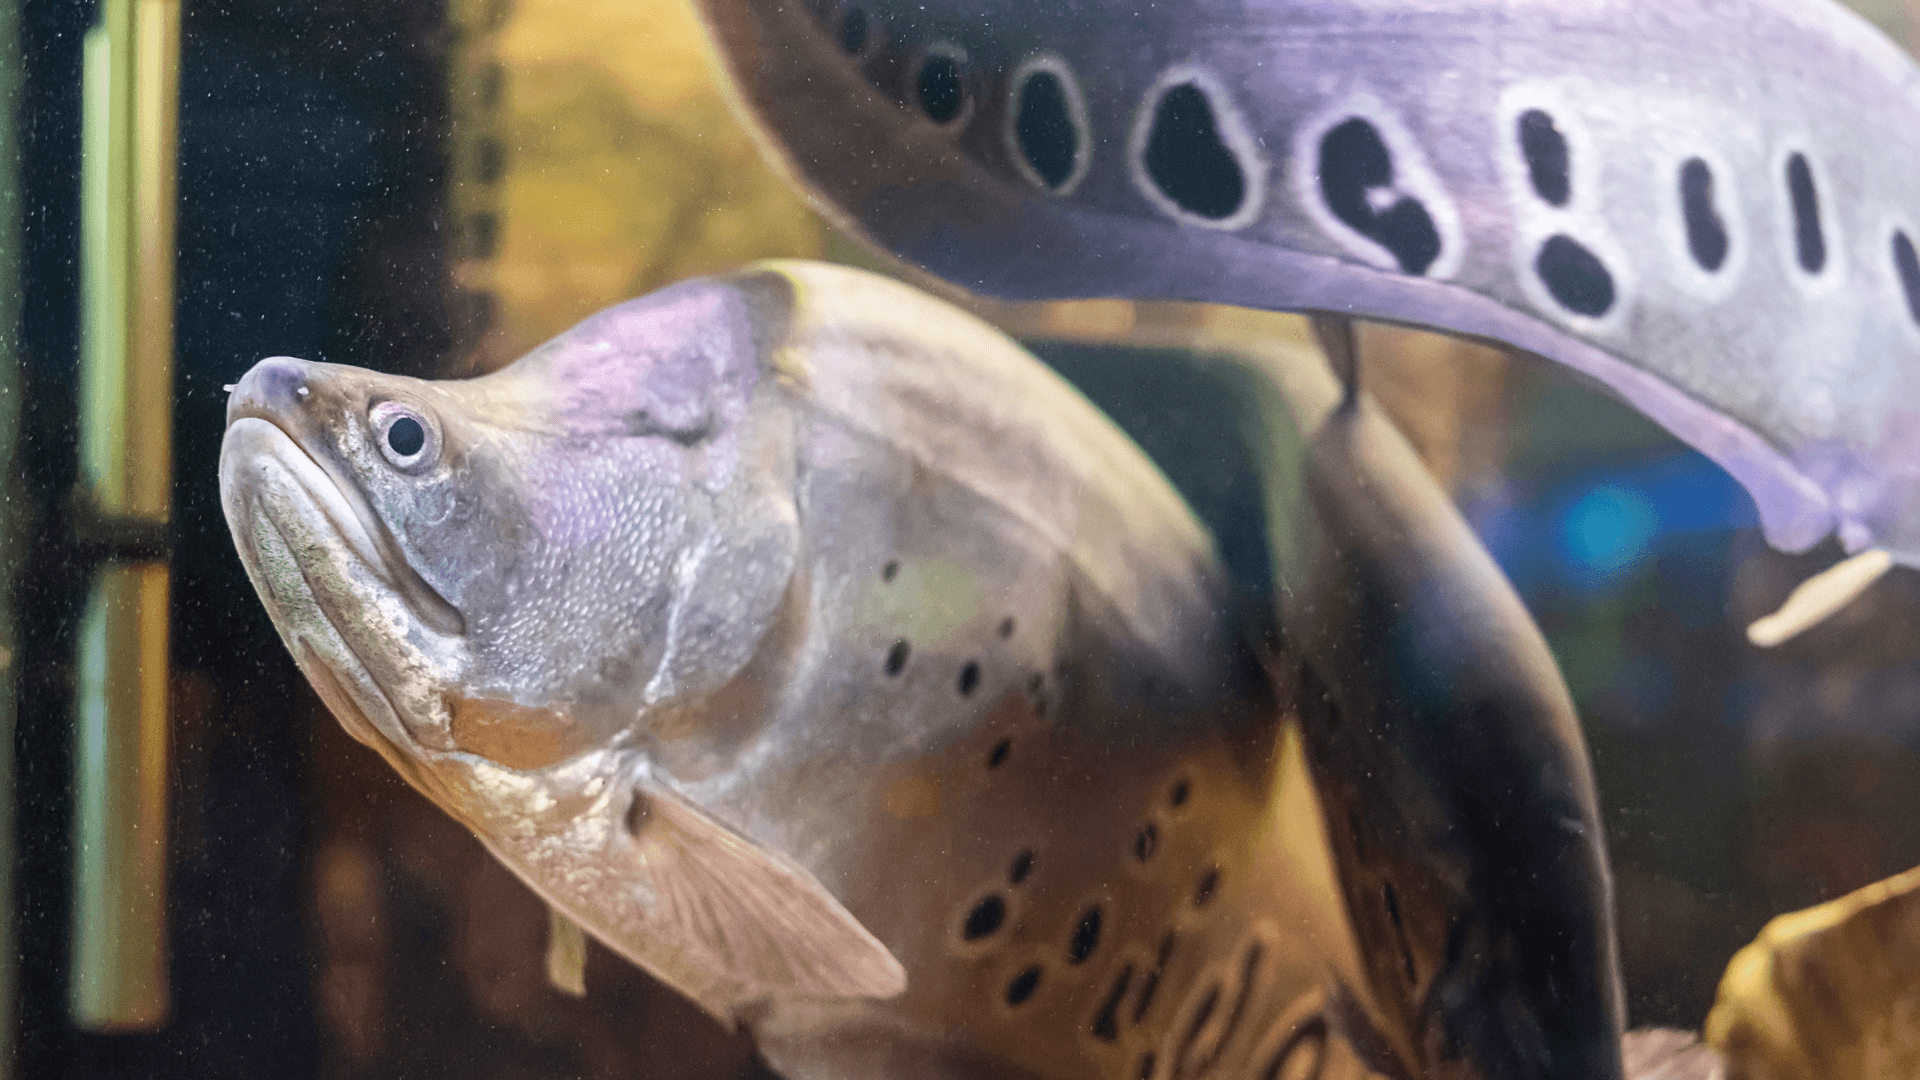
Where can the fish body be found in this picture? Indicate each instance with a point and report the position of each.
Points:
(814, 648)
(1705, 206)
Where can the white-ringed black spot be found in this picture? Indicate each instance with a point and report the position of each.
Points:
(1908, 266)
(1809, 243)
(854, 30)
(1204, 889)
(1047, 124)
(897, 657)
(984, 918)
(1302, 1055)
(1146, 841)
(1106, 1022)
(1187, 157)
(1356, 180)
(938, 85)
(1085, 937)
(1706, 232)
(1022, 866)
(997, 756)
(969, 678)
(1023, 985)
(1547, 158)
(1575, 277)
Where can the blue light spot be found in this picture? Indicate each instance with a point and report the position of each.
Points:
(1605, 531)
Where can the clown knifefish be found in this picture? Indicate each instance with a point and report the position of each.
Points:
(811, 646)
(1707, 206)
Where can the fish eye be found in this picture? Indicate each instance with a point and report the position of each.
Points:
(406, 436)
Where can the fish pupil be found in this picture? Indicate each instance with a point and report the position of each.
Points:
(406, 436)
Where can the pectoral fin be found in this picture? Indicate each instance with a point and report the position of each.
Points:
(748, 916)
(1818, 598)
(566, 955)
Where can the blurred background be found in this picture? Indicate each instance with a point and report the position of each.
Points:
(203, 876)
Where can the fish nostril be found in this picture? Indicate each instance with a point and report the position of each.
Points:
(274, 384)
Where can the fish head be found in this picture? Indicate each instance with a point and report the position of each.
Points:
(525, 566)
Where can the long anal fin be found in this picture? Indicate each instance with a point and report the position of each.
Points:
(566, 955)
(754, 919)
(1820, 597)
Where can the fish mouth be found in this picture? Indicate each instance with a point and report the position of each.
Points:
(341, 498)
(320, 570)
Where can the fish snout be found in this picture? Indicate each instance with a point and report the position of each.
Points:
(274, 389)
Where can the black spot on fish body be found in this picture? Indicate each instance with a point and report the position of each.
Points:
(1086, 936)
(1187, 158)
(890, 571)
(493, 85)
(483, 236)
(1150, 986)
(1547, 158)
(939, 88)
(1006, 628)
(854, 30)
(1809, 243)
(984, 918)
(1907, 264)
(490, 161)
(1208, 884)
(969, 678)
(1023, 985)
(998, 755)
(1022, 866)
(1392, 900)
(1106, 1022)
(1184, 1058)
(637, 813)
(897, 657)
(1043, 128)
(1355, 163)
(1182, 790)
(1146, 842)
(1706, 232)
(1574, 276)
(1145, 1071)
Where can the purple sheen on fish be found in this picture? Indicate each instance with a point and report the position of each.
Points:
(1706, 207)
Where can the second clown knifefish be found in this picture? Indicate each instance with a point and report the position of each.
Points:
(1708, 206)
(812, 647)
